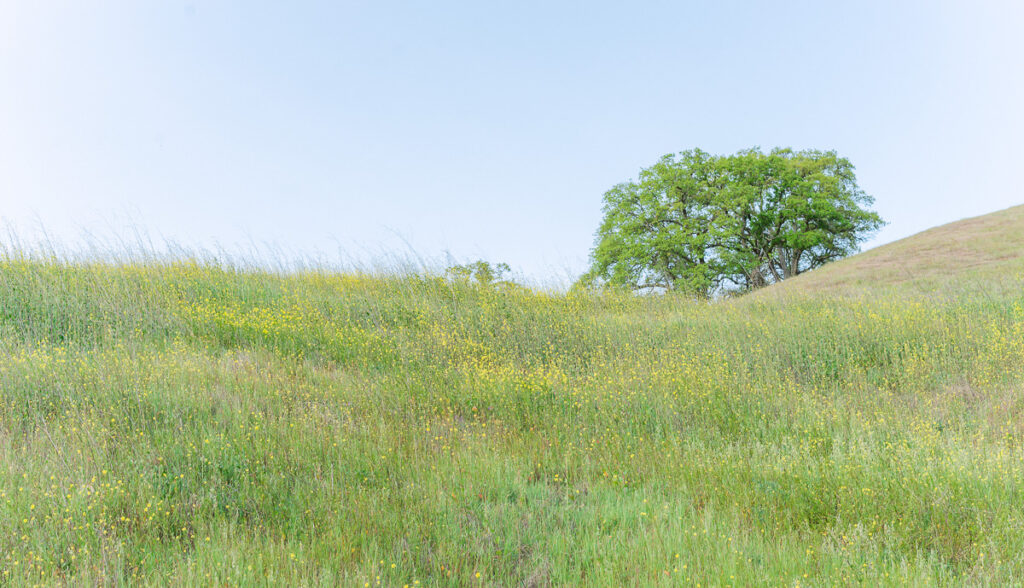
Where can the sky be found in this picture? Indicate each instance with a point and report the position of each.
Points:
(366, 131)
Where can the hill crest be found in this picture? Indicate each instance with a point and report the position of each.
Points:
(972, 251)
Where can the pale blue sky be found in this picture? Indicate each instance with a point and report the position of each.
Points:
(487, 129)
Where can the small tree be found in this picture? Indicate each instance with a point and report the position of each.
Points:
(480, 272)
(704, 224)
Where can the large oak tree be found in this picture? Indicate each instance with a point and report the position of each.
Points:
(707, 224)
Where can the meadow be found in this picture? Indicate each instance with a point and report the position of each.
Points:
(189, 422)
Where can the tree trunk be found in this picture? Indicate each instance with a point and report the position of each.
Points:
(794, 263)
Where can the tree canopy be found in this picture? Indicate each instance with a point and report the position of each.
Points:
(707, 224)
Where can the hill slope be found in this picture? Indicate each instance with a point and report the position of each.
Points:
(973, 253)
(183, 424)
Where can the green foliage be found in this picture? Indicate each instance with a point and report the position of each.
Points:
(704, 224)
(480, 272)
(191, 425)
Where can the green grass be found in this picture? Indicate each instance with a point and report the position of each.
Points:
(182, 423)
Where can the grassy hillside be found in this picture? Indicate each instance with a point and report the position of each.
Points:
(976, 253)
(185, 423)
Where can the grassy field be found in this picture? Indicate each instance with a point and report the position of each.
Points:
(183, 423)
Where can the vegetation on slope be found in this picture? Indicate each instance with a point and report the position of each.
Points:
(173, 423)
(975, 253)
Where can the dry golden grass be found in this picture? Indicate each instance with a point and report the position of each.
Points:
(979, 251)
